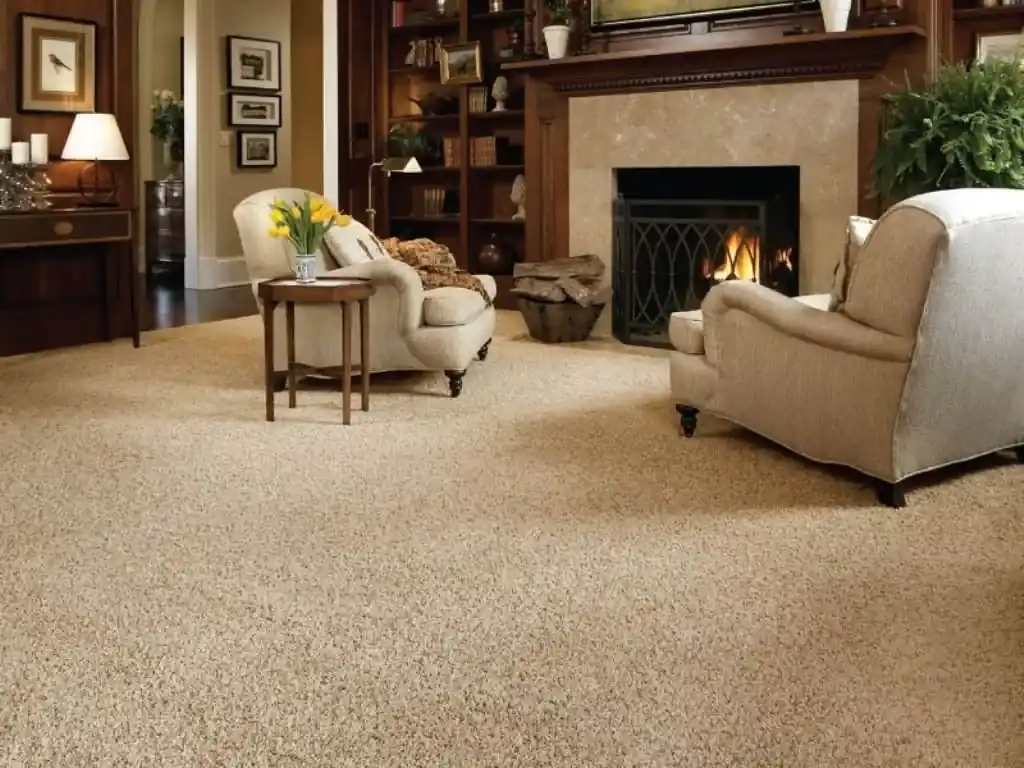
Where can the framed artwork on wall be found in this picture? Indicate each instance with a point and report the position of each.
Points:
(1002, 46)
(56, 64)
(253, 64)
(254, 110)
(461, 64)
(256, 149)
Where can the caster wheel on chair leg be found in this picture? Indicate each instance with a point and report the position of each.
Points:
(687, 419)
(455, 382)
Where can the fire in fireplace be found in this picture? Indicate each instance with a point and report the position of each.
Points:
(680, 231)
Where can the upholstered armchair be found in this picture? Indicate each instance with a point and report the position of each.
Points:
(918, 365)
(411, 329)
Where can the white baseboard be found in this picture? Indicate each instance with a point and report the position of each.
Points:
(232, 271)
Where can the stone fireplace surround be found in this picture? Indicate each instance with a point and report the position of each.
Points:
(812, 125)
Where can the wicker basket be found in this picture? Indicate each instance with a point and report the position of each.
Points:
(557, 323)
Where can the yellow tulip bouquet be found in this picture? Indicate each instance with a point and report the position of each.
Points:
(304, 225)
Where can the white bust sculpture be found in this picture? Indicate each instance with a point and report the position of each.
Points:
(518, 197)
(499, 92)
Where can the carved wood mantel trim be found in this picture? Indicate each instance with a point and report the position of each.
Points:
(861, 54)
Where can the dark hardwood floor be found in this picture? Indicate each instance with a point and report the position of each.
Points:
(166, 303)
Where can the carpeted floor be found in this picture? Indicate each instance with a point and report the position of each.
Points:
(540, 573)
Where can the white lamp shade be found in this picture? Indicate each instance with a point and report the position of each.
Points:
(95, 136)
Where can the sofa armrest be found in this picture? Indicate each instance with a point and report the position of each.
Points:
(396, 275)
(833, 330)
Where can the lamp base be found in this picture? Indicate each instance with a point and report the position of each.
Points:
(92, 194)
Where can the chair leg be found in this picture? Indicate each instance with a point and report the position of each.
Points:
(687, 419)
(892, 495)
(455, 382)
(482, 354)
(1019, 450)
(280, 381)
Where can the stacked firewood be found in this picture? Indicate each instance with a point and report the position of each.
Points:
(576, 279)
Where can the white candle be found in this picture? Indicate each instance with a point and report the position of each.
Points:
(5, 133)
(20, 153)
(40, 143)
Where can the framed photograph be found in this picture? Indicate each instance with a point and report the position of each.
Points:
(638, 12)
(256, 149)
(56, 64)
(461, 64)
(253, 65)
(254, 110)
(1004, 46)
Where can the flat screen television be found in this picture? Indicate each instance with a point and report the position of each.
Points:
(640, 12)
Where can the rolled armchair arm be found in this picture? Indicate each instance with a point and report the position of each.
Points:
(832, 330)
(390, 273)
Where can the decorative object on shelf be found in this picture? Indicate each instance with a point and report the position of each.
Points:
(168, 125)
(303, 223)
(387, 166)
(514, 49)
(438, 104)
(608, 13)
(443, 7)
(462, 64)
(1001, 46)
(530, 28)
(496, 6)
(253, 64)
(561, 300)
(556, 33)
(410, 57)
(880, 13)
(24, 183)
(57, 64)
(254, 110)
(835, 14)
(585, 21)
(499, 92)
(518, 197)
(800, 28)
(256, 149)
(494, 259)
(96, 138)
(405, 140)
(960, 129)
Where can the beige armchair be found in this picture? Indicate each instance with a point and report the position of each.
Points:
(920, 367)
(411, 329)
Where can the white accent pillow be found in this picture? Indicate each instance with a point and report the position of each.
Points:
(857, 231)
(354, 244)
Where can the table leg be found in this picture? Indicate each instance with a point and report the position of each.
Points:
(364, 352)
(268, 354)
(346, 362)
(133, 298)
(289, 313)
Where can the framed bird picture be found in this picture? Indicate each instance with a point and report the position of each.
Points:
(56, 64)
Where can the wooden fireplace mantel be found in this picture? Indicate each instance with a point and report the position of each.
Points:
(878, 58)
(706, 60)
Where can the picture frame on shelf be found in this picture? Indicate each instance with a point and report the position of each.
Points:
(462, 64)
(999, 46)
(253, 64)
(56, 64)
(256, 149)
(254, 110)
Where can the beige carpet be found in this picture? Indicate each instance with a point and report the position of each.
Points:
(540, 573)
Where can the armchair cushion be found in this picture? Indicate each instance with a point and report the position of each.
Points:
(448, 306)
(857, 231)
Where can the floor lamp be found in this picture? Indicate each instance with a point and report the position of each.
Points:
(387, 166)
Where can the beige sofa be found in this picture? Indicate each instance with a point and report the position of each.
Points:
(920, 366)
(411, 329)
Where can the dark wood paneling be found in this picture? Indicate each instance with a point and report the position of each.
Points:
(49, 296)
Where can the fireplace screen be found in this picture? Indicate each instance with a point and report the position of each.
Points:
(669, 252)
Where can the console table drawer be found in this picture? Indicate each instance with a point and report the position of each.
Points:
(40, 228)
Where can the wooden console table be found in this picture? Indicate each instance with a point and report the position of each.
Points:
(67, 277)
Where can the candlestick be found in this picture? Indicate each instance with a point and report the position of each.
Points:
(40, 143)
(5, 133)
(20, 153)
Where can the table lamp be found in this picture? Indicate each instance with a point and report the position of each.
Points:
(387, 166)
(96, 139)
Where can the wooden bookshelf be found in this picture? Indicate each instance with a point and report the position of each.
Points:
(462, 198)
(972, 20)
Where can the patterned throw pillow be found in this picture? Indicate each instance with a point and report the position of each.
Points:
(857, 230)
(354, 244)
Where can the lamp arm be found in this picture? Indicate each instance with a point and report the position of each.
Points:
(371, 212)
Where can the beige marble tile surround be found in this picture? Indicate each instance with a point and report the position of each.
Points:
(811, 125)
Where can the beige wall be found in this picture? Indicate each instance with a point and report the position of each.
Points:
(307, 95)
(269, 20)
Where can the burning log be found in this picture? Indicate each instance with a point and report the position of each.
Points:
(576, 279)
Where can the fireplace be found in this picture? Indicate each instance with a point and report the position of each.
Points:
(677, 232)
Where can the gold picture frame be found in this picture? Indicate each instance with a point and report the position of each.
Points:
(462, 64)
(56, 64)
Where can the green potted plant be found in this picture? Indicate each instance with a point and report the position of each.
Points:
(556, 33)
(168, 125)
(965, 128)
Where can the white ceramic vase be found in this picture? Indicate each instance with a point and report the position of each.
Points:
(556, 38)
(836, 14)
(305, 268)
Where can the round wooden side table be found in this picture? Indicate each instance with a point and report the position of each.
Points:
(328, 290)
